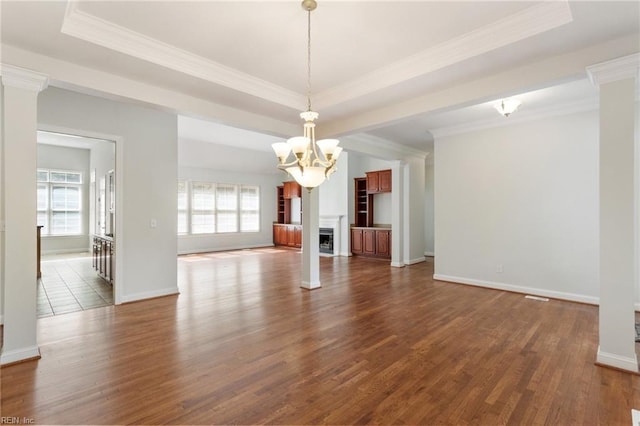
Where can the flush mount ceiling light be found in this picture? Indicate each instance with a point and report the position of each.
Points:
(308, 168)
(507, 106)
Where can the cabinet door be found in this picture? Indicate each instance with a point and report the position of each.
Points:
(383, 243)
(297, 236)
(384, 180)
(373, 184)
(291, 236)
(277, 237)
(369, 241)
(295, 190)
(356, 241)
(291, 190)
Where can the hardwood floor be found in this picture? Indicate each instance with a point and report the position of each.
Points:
(243, 344)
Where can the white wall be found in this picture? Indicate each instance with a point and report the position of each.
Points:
(102, 160)
(2, 218)
(524, 197)
(414, 211)
(429, 206)
(146, 175)
(231, 241)
(66, 158)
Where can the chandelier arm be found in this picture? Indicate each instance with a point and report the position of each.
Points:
(292, 163)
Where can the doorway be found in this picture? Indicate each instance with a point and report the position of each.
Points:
(76, 208)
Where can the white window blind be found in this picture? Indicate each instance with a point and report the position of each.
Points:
(227, 208)
(249, 208)
(203, 212)
(207, 208)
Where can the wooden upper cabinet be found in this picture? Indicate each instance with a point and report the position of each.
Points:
(373, 182)
(384, 180)
(291, 190)
(379, 181)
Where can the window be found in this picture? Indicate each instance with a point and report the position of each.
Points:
(208, 208)
(227, 208)
(203, 213)
(249, 209)
(59, 202)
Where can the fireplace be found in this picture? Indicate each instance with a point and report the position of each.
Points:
(326, 240)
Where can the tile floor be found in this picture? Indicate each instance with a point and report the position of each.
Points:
(69, 284)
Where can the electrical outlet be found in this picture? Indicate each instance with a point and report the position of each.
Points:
(499, 268)
(153, 223)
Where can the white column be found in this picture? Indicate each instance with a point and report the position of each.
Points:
(19, 157)
(414, 228)
(310, 239)
(618, 215)
(397, 213)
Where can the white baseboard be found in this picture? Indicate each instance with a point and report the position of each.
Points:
(149, 294)
(429, 254)
(397, 264)
(520, 289)
(310, 285)
(1, 319)
(618, 361)
(224, 248)
(345, 253)
(9, 357)
(414, 261)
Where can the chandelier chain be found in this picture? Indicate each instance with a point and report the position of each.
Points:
(309, 60)
(313, 161)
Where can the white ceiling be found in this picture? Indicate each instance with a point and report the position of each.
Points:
(398, 70)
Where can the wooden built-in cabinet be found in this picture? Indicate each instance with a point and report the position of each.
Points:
(291, 190)
(375, 242)
(379, 181)
(285, 194)
(363, 203)
(366, 238)
(282, 211)
(284, 232)
(383, 243)
(287, 235)
(103, 257)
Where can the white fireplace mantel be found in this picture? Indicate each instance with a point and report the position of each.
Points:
(333, 222)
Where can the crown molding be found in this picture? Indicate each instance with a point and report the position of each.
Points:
(23, 78)
(372, 145)
(526, 23)
(93, 29)
(614, 70)
(520, 117)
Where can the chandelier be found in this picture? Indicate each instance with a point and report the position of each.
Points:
(307, 167)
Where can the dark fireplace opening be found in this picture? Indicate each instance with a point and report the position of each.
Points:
(326, 240)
